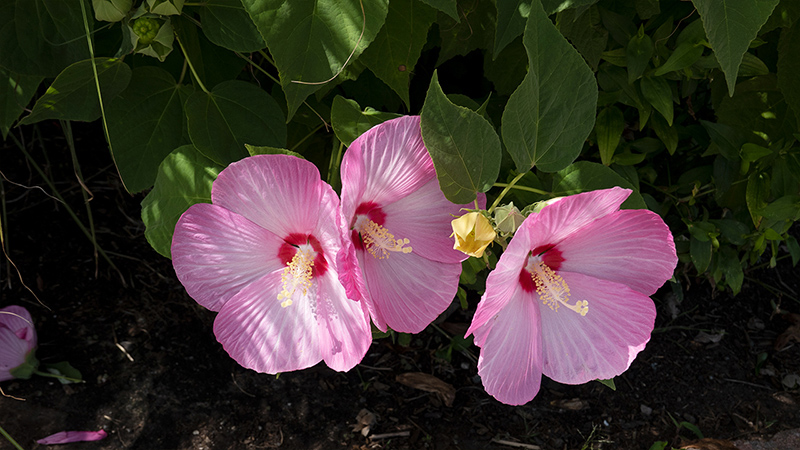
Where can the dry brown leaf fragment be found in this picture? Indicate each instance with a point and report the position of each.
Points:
(364, 420)
(428, 383)
(573, 404)
(710, 444)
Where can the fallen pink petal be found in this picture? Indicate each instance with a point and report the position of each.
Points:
(398, 255)
(569, 297)
(66, 437)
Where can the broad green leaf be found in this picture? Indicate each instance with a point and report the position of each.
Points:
(752, 152)
(511, 18)
(789, 66)
(551, 113)
(256, 150)
(730, 26)
(794, 249)
(227, 24)
(144, 124)
(41, 37)
(647, 8)
(111, 10)
(584, 176)
(310, 40)
(73, 94)
(508, 69)
(449, 7)
(752, 66)
(585, 31)
(757, 195)
(700, 251)
(184, 178)
(638, 53)
(396, 49)
(349, 121)
(16, 91)
(684, 56)
(732, 230)
(233, 114)
(475, 30)
(65, 369)
(728, 139)
(464, 147)
(554, 6)
(212, 64)
(759, 107)
(780, 214)
(656, 90)
(608, 129)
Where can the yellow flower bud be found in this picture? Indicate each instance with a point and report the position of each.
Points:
(473, 233)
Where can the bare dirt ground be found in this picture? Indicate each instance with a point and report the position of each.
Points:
(155, 378)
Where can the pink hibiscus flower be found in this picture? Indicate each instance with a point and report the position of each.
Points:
(398, 255)
(263, 255)
(569, 297)
(17, 343)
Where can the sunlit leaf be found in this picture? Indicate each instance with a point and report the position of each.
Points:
(464, 146)
(554, 6)
(184, 178)
(73, 94)
(396, 49)
(730, 26)
(311, 40)
(233, 114)
(552, 112)
(144, 124)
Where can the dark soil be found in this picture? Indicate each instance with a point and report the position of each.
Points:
(155, 377)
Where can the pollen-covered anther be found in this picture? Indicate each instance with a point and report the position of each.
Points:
(553, 289)
(297, 274)
(378, 241)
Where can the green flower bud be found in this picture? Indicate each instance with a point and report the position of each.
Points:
(507, 218)
(147, 29)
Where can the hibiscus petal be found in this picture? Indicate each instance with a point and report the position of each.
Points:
(384, 164)
(15, 321)
(567, 215)
(511, 354)
(278, 192)
(601, 344)
(502, 282)
(406, 291)
(217, 252)
(65, 437)
(344, 330)
(262, 335)
(631, 247)
(424, 218)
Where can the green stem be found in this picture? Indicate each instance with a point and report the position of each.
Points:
(505, 190)
(191, 66)
(65, 125)
(52, 375)
(333, 167)
(297, 144)
(10, 439)
(260, 69)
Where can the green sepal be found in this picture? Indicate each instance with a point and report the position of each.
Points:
(26, 369)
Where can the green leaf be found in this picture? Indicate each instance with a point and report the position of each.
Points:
(64, 368)
(184, 178)
(658, 93)
(794, 249)
(464, 147)
(233, 114)
(789, 66)
(758, 106)
(781, 213)
(684, 56)
(475, 30)
(700, 252)
(752, 152)
(144, 125)
(551, 113)
(752, 66)
(227, 24)
(310, 41)
(584, 176)
(73, 94)
(554, 6)
(667, 134)
(757, 195)
(728, 139)
(609, 383)
(638, 53)
(396, 49)
(647, 8)
(730, 26)
(111, 10)
(511, 18)
(608, 129)
(349, 122)
(16, 91)
(256, 150)
(508, 69)
(41, 37)
(730, 266)
(585, 31)
(449, 7)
